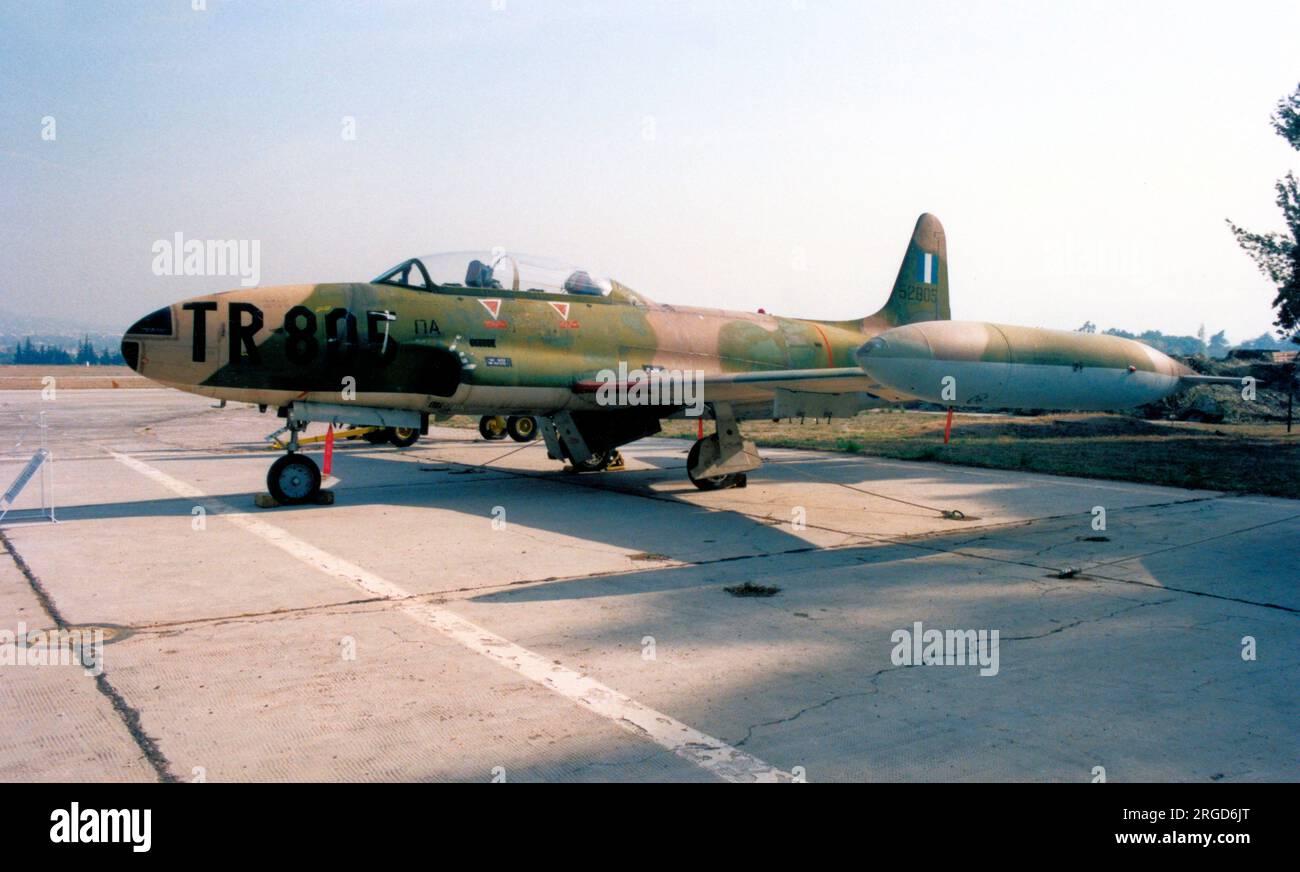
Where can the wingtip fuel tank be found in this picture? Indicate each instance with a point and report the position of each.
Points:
(977, 364)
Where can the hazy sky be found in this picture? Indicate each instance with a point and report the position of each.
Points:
(774, 153)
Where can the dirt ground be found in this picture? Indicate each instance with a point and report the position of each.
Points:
(27, 378)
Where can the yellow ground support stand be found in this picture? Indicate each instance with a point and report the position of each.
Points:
(277, 445)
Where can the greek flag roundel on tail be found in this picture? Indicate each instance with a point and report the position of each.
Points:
(927, 269)
(920, 292)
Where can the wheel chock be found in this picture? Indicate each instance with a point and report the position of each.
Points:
(266, 501)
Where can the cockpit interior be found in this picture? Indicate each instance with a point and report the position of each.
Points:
(495, 270)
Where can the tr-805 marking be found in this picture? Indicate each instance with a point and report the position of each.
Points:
(301, 345)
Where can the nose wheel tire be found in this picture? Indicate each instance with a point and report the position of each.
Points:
(294, 479)
(522, 428)
(403, 437)
(492, 427)
(377, 436)
(711, 482)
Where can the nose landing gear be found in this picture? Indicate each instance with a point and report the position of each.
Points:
(295, 478)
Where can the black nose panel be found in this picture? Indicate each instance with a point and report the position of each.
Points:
(131, 352)
(154, 324)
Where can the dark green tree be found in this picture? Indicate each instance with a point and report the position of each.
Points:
(1219, 344)
(85, 352)
(1278, 254)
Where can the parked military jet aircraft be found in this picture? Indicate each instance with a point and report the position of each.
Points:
(498, 334)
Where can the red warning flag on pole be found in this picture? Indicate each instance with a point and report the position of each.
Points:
(947, 426)
(328, 465)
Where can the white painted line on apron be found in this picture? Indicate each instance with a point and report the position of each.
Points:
(713, 755)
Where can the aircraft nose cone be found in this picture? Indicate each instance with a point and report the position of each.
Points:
(158, 323)
(131, 353)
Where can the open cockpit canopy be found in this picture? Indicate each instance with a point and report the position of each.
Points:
(495, 270)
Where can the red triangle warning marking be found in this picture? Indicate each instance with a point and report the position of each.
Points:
(493, 307)
(562, 308)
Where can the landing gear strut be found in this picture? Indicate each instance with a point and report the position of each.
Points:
(294, 478)
(721, 460)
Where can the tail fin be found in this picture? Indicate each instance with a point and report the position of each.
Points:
(921, 290)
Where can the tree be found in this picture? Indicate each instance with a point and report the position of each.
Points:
(85, 353)
(1266, 341)
(1278, 254)
(1219, 344)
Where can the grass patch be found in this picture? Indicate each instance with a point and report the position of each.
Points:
(1243, 458)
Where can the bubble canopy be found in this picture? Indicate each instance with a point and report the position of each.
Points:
(495, 270)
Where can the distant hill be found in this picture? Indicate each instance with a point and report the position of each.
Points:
(54, 332)
(53, 337)
(13, 323)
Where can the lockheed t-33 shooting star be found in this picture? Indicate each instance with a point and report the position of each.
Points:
(587, 360)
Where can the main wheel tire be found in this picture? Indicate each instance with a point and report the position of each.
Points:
(377, 436)
(294, 479)
(712, 482)
(403, 437)
(522, 428)
(492, 427)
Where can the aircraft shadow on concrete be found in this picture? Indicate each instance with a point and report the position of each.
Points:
(591, 507)
(641, 510)
(1068, 697)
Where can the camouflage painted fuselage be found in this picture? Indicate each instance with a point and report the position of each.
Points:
(462, 350)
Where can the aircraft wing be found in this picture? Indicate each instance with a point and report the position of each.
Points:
(723, 387)
(1192, 380)
(845, 389)
(769, 385)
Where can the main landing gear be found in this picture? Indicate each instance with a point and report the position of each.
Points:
(723, 459)
(711, 482)
(295, 478)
